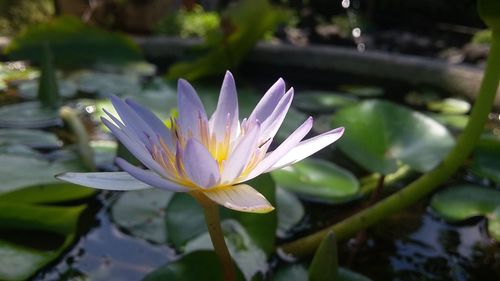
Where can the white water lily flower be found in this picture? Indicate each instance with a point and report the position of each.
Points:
(213, 157)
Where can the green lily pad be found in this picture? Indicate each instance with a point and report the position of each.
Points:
(249, 257)
(30, 138)
(321, 102)
(486, 161)
(449, 106)
(20, 150)
(197, 266)
(19, 263)
(362, 91)
(105, 84)
(454, 121)
(26, 171)
(184, 219)
(15, 71)
(104, 152)
(29, 89)
(49, 193)
(318, 180)
(380, 135)
(29, 115)
(465, 201)
(290, 211)
(141, 213)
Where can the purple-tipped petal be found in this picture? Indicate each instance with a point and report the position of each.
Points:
(240, 156)
(240, 197)
(149, 177)
(105, 180)
(227, 107)
(274, 156)
(307, 148)
(199, 165)
(272, 124)
(268, 102)
(190, 109)
(135, 146)
(131, 120)
(154, 122)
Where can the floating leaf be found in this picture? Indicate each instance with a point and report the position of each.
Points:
(26, 171)
(19, 263)
(324, 266)
(318, 101)
(380, 134)
(290, 211)
(73, 44)
(184, 219)
(105, 84)
(30, 138)
(486, 160)
(362, 91)
(449, 106)
(454, 121)
(249, 257)
(294, 272)
(50, 193)
(104, 152)
(318, 180)
(29, 89)
(197, 266)
(30, 115)
(142, 213)
(465, 201)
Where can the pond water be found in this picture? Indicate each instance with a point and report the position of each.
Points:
(416, 244)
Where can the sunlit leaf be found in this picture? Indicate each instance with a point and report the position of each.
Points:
(379, 135)
(318, 180)
(50, 193)
(449, 106)
(465, 201)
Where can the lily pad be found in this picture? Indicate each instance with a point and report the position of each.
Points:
(486, 160)
(141, 213)
(449, 106)
(104, 152)
(29, 115)
(29, 89)
(318, 180)
(321, 102)
(290, 211)
(27, 171)
(465, 201)
(454, 121)
(362, 91)
(197, 266)
(380, 135)
(298, 272)
(30, 138)
(184, 220)
(105, 84)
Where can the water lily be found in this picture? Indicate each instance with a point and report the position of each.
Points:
(208, 157)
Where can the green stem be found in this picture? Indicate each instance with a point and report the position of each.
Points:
(212, 219)
(426, 183)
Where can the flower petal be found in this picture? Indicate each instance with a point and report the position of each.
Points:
(308, 147)
(131, 120)
(274, 156)
(135, 146)
(226, 106)
(240, 197)
(153, 121)
(272, 124)
(199, 165)
(268, 102)
(150, 177)
(105, 180)
(190, 108)
(240, 156)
